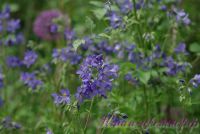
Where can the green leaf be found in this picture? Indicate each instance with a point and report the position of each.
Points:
(126, 66)
(144, 76)
(96, 3)
(154, 73)
(14, 7)
(31, 44)
(104, 35)
(90, 23)
(77, 43)
(195, 47)
(99, 13)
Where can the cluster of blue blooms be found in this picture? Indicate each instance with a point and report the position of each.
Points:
(62, 98)
(157, 58)
(30, 58)
(128, 52)
(9, 36)
(127, 6)
(9, 29)
(115, 20)
(182, 17)
(9, 124)
(66, 54)
(129, 77)
(30, 80)
(49, 131)
(69, 34)
(96, 73)
(96, 76)
(181, 48)
(195, 81)
(13, 61)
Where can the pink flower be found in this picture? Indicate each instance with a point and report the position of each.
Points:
(45, 28)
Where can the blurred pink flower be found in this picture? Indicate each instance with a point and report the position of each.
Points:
(45, 28)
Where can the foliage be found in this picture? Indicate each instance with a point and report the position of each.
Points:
(65, 65)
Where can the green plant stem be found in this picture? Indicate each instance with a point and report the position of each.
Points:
(165, 40)
(88, 117)
(157, 103)
(174, 36)
(5, 69)
(61, 4)
(79, 119)
(138, 25)
(195, 60)
(146, 101)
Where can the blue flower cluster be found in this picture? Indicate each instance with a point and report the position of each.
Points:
(10, 36)
(66, 54)
(53, 28)
(115, 20)
(13, 61)
(49, 131)
(87, 44)
(182, 17)
(103, 47)
(62, 98)
(130, 78)
(156, 59)
(7, 123)
(131, 41)
(128, 52)
(195, 81)
(69, 34)
(30, 80)
(173, 67)
(9, 28)
(181, 48)
(96, 77)
(125, 6)
(30, 58)
(120, 49)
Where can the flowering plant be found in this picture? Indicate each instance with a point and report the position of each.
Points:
(62, 70)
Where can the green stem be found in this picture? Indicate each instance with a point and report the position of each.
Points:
(5, 70)
(195, 60)
(146, 101)
(157, 103)
(138, 25)
(165, 40)
(61, 4)
(174, 36)
(79, 119)
(88, 117)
